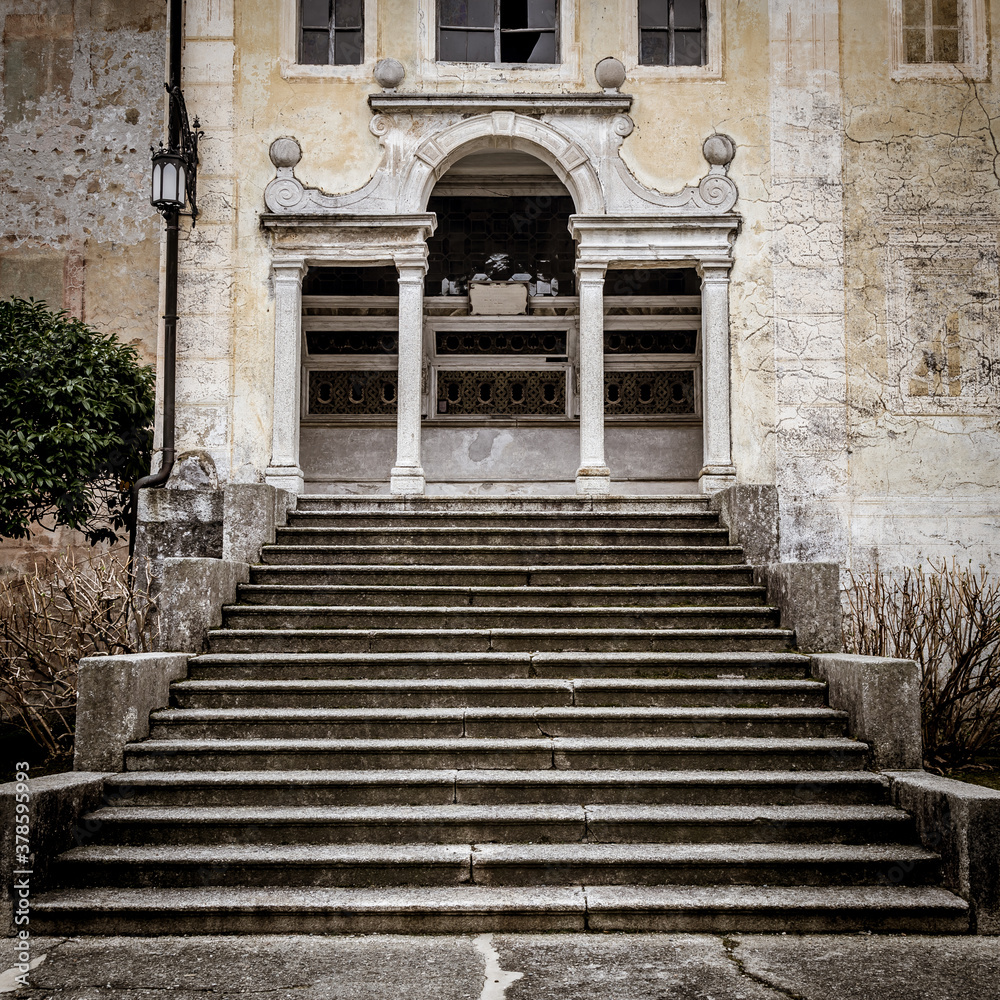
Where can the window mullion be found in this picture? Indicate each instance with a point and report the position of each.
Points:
(496, 31)
(671, 37)
(331, 29)
(929, 31)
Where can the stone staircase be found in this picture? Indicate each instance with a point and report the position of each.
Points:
(498, 715)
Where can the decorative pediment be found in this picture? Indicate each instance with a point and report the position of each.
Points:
(577, 135)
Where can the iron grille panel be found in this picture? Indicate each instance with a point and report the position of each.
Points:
(352, 342)
(501, 393)
(641, 393)
(650, 341)
(501, 342)
(365, 392)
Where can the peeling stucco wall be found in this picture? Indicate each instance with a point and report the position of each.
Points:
(863, 304)
(81, 102)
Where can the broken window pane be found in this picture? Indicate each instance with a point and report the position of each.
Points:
(515, 31)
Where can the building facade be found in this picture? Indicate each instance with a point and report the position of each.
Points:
(563, 247)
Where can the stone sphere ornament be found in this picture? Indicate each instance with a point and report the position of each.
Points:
(719, 150)
(610, 74)
(285, 152)
(389, 73)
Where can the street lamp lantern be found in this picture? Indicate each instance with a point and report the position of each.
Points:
(169, 180)
(174, 179)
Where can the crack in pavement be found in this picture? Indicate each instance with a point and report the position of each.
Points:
(730, 946)
(496, 979)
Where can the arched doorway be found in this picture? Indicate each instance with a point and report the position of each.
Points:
(500, 407)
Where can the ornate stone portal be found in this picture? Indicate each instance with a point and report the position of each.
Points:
(618, 223)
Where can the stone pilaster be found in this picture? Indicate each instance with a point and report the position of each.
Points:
(284, 471)
(407, 474)
(718, 471)
(593, 475)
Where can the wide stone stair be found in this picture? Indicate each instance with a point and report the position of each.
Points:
(481, 715)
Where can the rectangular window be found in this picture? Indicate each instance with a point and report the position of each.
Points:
(331, 32)
(672, 32)
(497, 31)
(931, 31)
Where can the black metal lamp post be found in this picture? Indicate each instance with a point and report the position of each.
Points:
(174, 184)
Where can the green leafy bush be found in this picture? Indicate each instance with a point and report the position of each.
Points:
(76, 413)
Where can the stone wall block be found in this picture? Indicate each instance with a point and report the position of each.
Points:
(808, 596)
(248, 520)
(57, 802)
(750, 512)
(960, 821)
(197, 589)
(882, 699)
(116, 695)
(178, 522)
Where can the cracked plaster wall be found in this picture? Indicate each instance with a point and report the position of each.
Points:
(920, 310)
(80, 103)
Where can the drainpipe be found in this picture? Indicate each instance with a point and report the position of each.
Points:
(176, 127)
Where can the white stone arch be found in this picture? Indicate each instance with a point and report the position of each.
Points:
(502, 130)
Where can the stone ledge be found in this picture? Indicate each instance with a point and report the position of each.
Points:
(882, 699)
(57, 801)
(960, 821)
(116, 695)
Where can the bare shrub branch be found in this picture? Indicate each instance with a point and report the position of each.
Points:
(48, 622)
(947, 618)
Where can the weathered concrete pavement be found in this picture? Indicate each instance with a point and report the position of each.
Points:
(528, 967)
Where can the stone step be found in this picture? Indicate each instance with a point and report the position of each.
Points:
(486, 787)
(487, 692)
(503, 640)
(334, 595)
(389, 506)
(278, 665)
(534, 823)
(502, 555)
(394, 535)
(528, 575)
(480, 909)
(361, 865)
(248, 616)
(543, 753)
(491, 723)
(473, 518)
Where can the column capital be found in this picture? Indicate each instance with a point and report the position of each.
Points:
(715, 270)
(591, 271)
(411, 263)
(288, 268)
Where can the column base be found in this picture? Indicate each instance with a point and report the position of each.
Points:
(593, 479)
(285, 477)
(407, 482)
(715, 478)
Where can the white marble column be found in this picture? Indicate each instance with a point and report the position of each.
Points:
(593, 475)
(718, 471)
(407, 474)
(284, 470)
